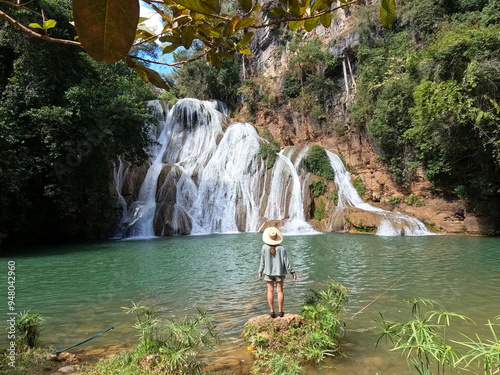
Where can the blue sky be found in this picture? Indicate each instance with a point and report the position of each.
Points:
(154, 23)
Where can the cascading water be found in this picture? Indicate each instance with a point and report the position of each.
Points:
(286, 183)
(139, 215)
(202, 179)
(231, 184)
(391, 223)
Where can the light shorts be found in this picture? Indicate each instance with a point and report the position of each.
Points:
(274, 278)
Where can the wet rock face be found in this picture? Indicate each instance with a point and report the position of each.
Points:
(357, 148)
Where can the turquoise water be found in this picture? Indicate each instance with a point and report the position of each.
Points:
(80, 289)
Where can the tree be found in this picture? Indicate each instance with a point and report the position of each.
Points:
(108, 29)
(63, 119)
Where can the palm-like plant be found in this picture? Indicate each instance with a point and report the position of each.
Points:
(29, 325)
(485, 354)
(423, 339)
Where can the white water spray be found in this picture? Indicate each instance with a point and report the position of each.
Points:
(202, 179)
(391, 224)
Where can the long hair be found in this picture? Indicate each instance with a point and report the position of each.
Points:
(272, 250)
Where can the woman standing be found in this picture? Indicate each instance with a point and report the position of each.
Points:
(274, 265)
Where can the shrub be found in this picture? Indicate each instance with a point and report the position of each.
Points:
(317, 162)
(320, 211)
(360, 227)
(318, 187)
(394, 201)
(169, 347)
(333, 196)
(291, 86)
(359, 186)
(269, 149)
(29, 325)
(279, 351)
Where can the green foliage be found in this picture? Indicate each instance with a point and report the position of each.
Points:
(291, 86)
(29, 361)
(322, 309)
(412, 200)
(485, 353)
(279, 351)
(317, 162)
(201, 80)
(360, 227)
(269, 150)
(169, 347)
(432, 101)
(318, 187)
(320, 209)
(395, 200)
(424, 340)
(111, 28)
(29, 325)
(359, 186)
(334, 197)
(63, 119)
(308, 83)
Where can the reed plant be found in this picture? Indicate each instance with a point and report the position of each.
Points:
(29, 326)
(165, 347)
(424, 340)
(279, 351)
(484, 354)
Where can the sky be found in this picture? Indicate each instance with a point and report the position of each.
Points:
(154, 23)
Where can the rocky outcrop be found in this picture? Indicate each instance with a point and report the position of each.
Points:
(359, 151)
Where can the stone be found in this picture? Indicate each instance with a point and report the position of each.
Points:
(280, 323)
(66, 370)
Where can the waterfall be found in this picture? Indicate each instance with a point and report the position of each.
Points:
(207, 176)
(286, 182)
(230, 185)
(140, 214)
(188, 136)
(391, 223)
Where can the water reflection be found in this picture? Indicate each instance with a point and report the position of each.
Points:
(80, 289)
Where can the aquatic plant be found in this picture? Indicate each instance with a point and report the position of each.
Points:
(424, 341)
(165, 347)
(29, 325)
(279, 350)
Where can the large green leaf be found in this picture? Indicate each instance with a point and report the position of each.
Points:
(245, 40)
(245, 22)
(106, 28)
(388, 13)
(201, 6)
(278, 12)
(311, 23)
(326, 19)
(147, 74)
(247, 5)
(294, 25)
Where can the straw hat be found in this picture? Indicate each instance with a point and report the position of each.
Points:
(272, 236)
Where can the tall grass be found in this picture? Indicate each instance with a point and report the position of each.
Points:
(165, 347)
(424, 341)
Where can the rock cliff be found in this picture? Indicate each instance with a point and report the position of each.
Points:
(291, 124)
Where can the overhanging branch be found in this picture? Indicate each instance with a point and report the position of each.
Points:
(27, 30)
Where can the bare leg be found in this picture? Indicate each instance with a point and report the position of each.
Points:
(281, 295)
(270, 295)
